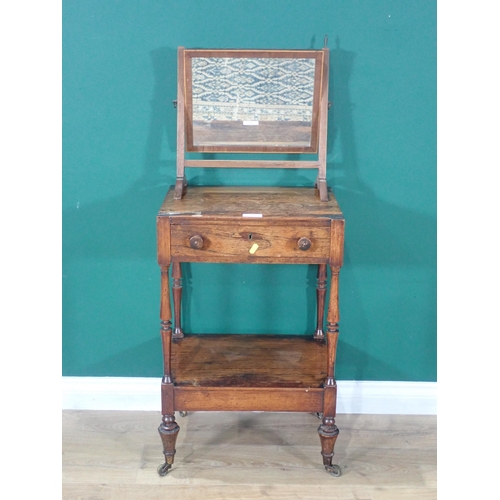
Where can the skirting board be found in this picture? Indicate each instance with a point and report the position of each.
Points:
(354, 397)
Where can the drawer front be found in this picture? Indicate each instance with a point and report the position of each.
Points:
(250, 242)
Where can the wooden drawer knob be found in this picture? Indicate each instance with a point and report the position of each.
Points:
(196, 242)
(304, 244)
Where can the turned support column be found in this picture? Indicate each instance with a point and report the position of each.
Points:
(319, 334)
(328, 431)
(177, 294)
(168, 428)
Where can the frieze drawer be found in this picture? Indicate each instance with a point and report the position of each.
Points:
(244, 241)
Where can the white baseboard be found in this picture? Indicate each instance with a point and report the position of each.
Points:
(143, 394)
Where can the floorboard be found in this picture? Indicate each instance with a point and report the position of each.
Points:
(233, 455)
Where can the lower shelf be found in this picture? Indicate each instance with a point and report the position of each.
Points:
(248, 373)
(252, 361)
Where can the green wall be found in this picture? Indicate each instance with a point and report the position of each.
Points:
(119, 78)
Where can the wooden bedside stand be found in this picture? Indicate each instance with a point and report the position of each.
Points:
(271, 225)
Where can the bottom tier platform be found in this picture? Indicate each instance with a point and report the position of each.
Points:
(248, 373)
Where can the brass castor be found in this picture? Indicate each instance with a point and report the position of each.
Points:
(334, 470)
(163, 469)
(183, 413)
(318, 415)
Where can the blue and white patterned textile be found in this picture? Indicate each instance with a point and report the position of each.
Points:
(261, 89)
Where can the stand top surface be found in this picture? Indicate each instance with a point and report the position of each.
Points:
(263, 202)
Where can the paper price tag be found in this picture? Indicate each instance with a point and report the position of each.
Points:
(253, 248)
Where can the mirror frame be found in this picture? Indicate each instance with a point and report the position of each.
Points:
(186, 86)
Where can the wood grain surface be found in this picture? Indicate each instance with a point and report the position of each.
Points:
(245, 361)
(234, 242)
(226, 134)
(282, 399)
(109, 455)
(230, 201)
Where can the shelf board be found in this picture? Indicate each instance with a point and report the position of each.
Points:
(258, 361)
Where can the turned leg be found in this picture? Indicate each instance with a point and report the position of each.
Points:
(177, 294)
(168, 428)
(328, 431)
(320, 301)
(168, 432)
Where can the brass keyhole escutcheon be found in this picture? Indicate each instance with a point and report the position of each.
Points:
(196, 242)
(304, 244)
(250, 236)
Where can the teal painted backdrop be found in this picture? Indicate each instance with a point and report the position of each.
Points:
(119, 80)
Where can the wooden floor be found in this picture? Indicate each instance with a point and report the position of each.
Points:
(114, 455)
